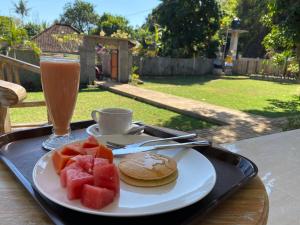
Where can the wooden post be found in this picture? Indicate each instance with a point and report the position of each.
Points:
(16, 75)
(5, 125)
(9, 72)
(123, 70)
(1, 71)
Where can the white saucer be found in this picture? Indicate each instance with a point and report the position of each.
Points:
(94, 129)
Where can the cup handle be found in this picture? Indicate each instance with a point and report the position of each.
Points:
(95, 115)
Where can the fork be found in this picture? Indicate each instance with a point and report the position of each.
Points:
(139, 144)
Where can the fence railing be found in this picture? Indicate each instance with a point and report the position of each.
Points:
(266, 67)
(9, 71)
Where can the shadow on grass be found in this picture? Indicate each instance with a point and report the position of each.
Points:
(185, 123)
(233, 78)
(181, 80)
(91, 90)
(279, 108)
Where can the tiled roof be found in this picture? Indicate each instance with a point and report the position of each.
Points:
(48, 43)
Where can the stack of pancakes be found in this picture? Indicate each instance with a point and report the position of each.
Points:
(147, 169)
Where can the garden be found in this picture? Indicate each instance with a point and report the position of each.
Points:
(265, 98)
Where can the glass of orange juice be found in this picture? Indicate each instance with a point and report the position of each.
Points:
(60, 81)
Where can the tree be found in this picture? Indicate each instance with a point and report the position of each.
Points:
(148, 40)
(14, 36)
(80, 14)
(33, 29)
(22, 9)
(251, 12)
(229, 9)
(110, 24)
(283, 18)
(189, 27)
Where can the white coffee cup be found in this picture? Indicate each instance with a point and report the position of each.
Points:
(113, 120)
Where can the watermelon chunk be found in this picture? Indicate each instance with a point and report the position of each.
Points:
(63, 173)
(100, 162)
(90, 151)
(75, 182)
(86, 162)
(95, 197)
(107, 176)
(90, 142)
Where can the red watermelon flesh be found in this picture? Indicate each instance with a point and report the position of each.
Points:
(63, 173)
(90, 151)
(100, 162)
(107, 176)
(90, 142)
(75, 182)
(86, 162)
(96, 197)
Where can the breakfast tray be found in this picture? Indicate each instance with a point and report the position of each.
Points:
(21, 150)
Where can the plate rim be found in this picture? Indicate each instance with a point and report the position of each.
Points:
(112, 214)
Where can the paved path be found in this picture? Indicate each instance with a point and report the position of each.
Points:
(235, 125)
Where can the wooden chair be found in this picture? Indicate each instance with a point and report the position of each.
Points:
(12, 93)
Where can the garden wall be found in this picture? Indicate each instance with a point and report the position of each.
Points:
(165, 66)
(29, 80)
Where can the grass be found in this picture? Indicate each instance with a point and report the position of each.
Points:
(266, 98)
(89, 99)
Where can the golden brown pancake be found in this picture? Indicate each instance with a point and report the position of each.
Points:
(147, 166)
(149, 183)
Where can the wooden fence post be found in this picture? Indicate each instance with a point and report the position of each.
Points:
(5, 125)
(1, 71)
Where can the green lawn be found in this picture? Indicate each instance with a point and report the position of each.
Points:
(89, 99)
(267, 98)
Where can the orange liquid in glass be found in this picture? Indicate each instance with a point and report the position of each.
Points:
(60, 81)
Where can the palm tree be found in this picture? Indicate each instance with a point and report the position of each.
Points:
(21, 8)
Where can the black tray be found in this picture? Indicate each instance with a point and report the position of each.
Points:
(21, 150)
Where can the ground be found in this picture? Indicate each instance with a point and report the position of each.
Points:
(266, 98)
(89, 99)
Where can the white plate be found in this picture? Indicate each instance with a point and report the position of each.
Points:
(196, 178)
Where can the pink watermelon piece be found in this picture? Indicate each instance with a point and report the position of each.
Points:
(75, 181)
(96, 197)
(90, 142)
(107, 176)
(98, 162)
(86, 162)
(63, 173)
(90, 151)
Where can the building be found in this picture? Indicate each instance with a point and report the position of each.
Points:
(47, 39)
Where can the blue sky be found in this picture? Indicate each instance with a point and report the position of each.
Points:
(49, 10)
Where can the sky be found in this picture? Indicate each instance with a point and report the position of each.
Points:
(49, 10)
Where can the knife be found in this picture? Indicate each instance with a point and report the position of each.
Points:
(130, 150)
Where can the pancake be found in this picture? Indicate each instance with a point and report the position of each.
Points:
(147, 166)
(149, 183)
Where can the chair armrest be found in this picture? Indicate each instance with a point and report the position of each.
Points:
(11, 94)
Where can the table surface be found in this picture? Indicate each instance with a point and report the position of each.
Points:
(249, 206)
(277, 157)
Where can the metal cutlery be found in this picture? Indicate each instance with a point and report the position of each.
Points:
(136, 149)
(117, 145)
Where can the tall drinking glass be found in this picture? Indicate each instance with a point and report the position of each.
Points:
(60, 82)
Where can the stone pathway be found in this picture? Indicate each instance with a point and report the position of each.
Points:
(235, 125)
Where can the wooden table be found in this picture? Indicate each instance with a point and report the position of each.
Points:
(249, 206)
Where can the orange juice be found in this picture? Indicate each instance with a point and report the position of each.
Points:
(60, 81)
